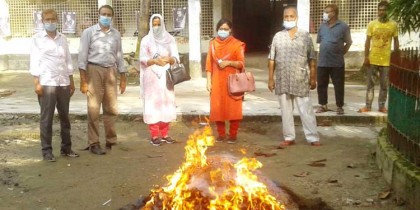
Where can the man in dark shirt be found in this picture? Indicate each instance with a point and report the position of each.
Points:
(335, 40)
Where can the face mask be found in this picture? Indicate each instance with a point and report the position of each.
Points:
(50, 26)
(105, 21)
(289, 24)
(325, 17)
(222, 34)
(156, 29)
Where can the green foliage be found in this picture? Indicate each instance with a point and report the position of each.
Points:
(406, 13)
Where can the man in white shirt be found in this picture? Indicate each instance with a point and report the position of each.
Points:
(51, 66)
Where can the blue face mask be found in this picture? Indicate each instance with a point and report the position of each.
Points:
(289, 24)
(50, 26)
(223, 34)
(105, 21)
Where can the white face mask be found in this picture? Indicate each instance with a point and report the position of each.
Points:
(289, 24)
(325, 17)
(156, 30)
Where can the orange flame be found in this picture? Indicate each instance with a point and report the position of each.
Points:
(213, 184)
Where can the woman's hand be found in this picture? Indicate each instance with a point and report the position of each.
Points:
(223, 64)
(209, 86)
(160, 61)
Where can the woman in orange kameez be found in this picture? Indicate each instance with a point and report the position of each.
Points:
(225, 56)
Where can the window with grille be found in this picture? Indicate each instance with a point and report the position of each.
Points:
(23, 15)
(356, 13)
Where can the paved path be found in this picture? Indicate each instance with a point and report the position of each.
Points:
(191, 98)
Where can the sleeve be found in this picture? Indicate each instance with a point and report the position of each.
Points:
(84, 49)
(240, 55)
(143, 55)
(120, 57)
(174, 50)
(209, 59)
(311, 49)
(34, 58)
(347, 36)
(369, 29)
(272, 54)
(318, 37)
(395, 30)
(69, 61)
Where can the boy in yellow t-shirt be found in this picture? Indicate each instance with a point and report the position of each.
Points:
(378, 55)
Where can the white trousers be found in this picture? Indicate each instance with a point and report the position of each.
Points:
(307, 116)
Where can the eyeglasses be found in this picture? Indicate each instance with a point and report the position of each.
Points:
(224, 29)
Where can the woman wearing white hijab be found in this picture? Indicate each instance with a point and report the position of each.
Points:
(158, 50)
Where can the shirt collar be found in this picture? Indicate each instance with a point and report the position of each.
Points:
(336, 23)
(44, 34)
(97, 27)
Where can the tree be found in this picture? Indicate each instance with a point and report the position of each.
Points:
(406, 13)
(143, 25)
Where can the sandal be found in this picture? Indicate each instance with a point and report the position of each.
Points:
(340, 111)
(383, 110)
(316, 144)
(364, 109)
(286, 143)
(321, 109)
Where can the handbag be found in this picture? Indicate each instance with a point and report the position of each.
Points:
(241, 82)
(176, 74)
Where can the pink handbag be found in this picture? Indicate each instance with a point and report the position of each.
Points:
(241, 82)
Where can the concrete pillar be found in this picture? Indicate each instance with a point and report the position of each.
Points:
(304, 8)
(194, 33)
(217, 12)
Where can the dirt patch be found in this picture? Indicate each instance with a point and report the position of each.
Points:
(348, 177)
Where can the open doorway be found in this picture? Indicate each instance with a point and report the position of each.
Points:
(256, 22)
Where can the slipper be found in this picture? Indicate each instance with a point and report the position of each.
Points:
(383, 110)
(364, 109)
(316, 144)
(286, 143)
(321, 109)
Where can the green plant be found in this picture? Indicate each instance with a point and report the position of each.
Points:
(406, 13)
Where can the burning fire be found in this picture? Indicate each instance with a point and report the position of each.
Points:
(213, 183)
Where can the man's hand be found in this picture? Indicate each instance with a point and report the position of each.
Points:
(72, 89)
(366, 62)
(313, 84)
(271, 85)
(123, 82)
(83, 87)
(38, 89)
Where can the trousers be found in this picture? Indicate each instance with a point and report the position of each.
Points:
(102, 91)
(307, 116)
(55, 97)
(323, 80)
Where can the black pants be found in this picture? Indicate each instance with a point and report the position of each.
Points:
(51, 98)
(323, 79)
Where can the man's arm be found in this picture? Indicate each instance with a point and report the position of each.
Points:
(367, 48)
(396, 44)
(271, 66)
(312, 73)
